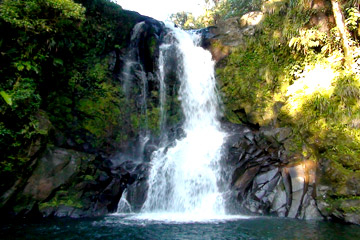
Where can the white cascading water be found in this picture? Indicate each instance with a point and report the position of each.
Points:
(163, 49)
(183, 178)
(133, 67)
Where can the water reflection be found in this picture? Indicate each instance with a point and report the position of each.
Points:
(128, 227)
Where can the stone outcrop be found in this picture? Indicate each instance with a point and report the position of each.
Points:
(231, 31)
(263, 180)
(333, 182)
(68, 183)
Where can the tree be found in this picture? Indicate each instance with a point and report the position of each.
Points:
(37, 42)
(344, 34)
(184, 20)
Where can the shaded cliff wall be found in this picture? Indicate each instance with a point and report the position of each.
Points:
(65, 114)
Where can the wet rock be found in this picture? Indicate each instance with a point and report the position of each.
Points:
(350, 209)
(75, 184)
(276, 135)
(64, 211)
(269, 186)
(250, 136)
(283, 134)
(103, 177)
(48, 211)
(79, 213)
(352, 218)
(309, 209)
(295, 203)
(244, 181)
(136, 195)
(237, 174)
(266, 183)
(257, 153)
(297, 175)
(149, 149)
(266, 177)
(287, 184)
(279, 202)
(54, 169)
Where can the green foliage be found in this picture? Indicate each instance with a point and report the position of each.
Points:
(308, 40)
(52, 60)
(6, 97)
(63, 198)
(240, 7)
(186, 20)
(231, 8)
(253, 83)
(352, 19)
(103, 118)
(291, 74)
(39, 15)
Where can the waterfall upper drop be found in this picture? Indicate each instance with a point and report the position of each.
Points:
(184, 177)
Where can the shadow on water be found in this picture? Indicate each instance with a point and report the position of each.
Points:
(125, 227)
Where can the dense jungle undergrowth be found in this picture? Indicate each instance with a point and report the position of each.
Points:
(56, 86)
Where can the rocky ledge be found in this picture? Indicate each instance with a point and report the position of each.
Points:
(68, 183)
(264, 180)
(268, 179)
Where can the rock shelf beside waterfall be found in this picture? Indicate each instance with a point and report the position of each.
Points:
(263, 180)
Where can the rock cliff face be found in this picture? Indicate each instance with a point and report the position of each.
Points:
(264, 179)
(81, 168)
(286, 163)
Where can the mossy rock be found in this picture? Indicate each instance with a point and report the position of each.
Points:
(338, 191)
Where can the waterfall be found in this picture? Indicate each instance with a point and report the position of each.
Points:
(162, 62)
(184, 177)
(133, 71)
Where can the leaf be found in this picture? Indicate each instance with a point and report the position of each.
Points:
(6, 97)
(20, 67)
(58, 61)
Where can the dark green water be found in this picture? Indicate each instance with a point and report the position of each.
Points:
(122, 227)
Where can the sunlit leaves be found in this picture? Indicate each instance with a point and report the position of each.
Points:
(26, 65)
(307, 40)
(68, 8)
(185, 20)
(38, 15)
(352, 19)
(58, 61)
(6, 97)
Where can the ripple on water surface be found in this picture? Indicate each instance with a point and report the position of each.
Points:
(160, 226)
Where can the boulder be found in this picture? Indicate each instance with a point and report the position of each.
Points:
(297, 176)
(57, 167)
(251, 19)
(267, 182)
(68, 183)
(266, 177)
(278, 205)
(295, 204)
(230, 32)
(245, 179)
(337, 189)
